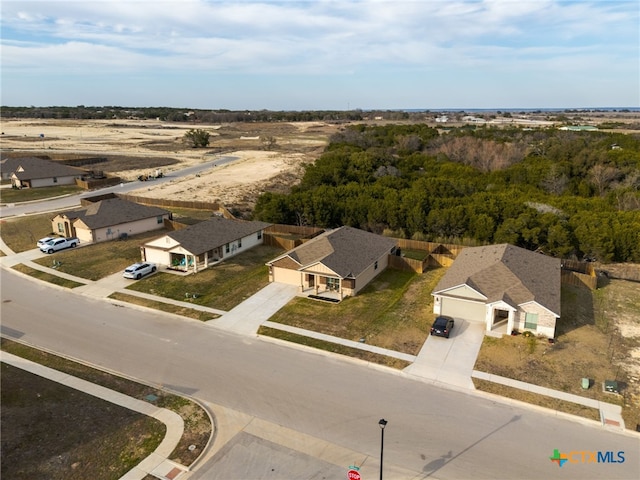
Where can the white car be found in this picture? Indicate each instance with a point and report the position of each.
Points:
(139, 270)
(44, 241)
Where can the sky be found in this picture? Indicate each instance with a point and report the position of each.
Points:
(321, 55)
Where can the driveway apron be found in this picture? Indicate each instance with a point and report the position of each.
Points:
(247, 317)
(450, 360)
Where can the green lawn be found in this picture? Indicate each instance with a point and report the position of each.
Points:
(22, 233)
(97, 261)
(10, 195)
(222, 286)
(394, 311)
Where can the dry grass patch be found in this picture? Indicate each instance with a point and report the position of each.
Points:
(22, 233)
(394, 312)
(46, 277)
(334, 348)
(164, 307)
(535, 399)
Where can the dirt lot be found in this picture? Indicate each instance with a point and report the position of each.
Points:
(140, 147)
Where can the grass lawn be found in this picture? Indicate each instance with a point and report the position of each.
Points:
(586, 346)
(197, 425)
(47, 277)
(334, 348)
(99, 260)
(394, 311)
(222, 286)
(52, 431)
(22, 233)
(10, 195)
(164, 307)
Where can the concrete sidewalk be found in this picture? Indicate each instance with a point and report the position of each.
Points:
(156, 464)
(610, 414)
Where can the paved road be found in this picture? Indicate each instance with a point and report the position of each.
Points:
(71, 201)
(432, 432)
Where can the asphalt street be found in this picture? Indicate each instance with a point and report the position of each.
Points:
(432, 432)
(71, 201)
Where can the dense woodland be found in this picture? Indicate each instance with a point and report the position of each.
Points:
(568, 194)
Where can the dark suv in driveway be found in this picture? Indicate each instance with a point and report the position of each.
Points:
(442, 326)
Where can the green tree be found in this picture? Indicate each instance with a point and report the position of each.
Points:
(197, 138)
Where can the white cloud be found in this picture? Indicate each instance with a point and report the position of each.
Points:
(316, 37)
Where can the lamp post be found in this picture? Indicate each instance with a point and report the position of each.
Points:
(382, 423)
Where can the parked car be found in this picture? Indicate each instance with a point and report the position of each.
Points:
(44, 241)
(442, 326)
(56, 244)
(139, 270)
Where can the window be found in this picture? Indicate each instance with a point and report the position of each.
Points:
(260, 235)
(226, 248)
(55, 179)
(531, 321)
(333, 284)
(159, 219)
(375, 265)
(240, 243)
(60, 227)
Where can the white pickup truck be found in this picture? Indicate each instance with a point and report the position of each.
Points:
(56, 244)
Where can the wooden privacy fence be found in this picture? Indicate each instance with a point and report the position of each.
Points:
(580, 274)
(167, 203)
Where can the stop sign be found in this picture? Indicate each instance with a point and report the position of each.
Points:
(353, 475)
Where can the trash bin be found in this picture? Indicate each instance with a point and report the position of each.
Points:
(585, 383)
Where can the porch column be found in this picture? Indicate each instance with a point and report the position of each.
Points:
(510, 321)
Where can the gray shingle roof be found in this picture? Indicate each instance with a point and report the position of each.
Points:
(114, 211)
(35, 168)
(505, 272)
(345, 250)
(213, 233)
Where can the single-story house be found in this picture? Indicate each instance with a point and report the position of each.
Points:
(502, 286)
(109, 219)
(340, 261)
(33, 172)
(199, 246)
(9, 165)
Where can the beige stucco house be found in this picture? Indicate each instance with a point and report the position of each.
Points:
(341, 261)
(109, 219)
(204, 244)
(504, 287)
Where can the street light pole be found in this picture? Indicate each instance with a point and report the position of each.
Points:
(382, 423)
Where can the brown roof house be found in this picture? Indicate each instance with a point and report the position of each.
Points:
(334, 264)
(505, 287)
(33, 172)
(199, 246)
(109, 219)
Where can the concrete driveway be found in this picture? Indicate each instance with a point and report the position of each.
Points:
(450, 360)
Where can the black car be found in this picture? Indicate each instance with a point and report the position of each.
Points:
(442, 326)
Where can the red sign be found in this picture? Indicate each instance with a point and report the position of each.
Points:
(353, 475)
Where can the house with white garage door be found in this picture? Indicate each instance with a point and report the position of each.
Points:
(204, 244)
(505, 287)
(335, 264)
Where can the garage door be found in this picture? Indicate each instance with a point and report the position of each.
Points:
(472, 311)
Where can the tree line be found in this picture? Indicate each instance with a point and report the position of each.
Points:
(569, 194)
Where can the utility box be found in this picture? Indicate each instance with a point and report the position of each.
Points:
(586, 383)
(611, 386)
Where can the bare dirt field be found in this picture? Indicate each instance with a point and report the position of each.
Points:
(135, 147)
